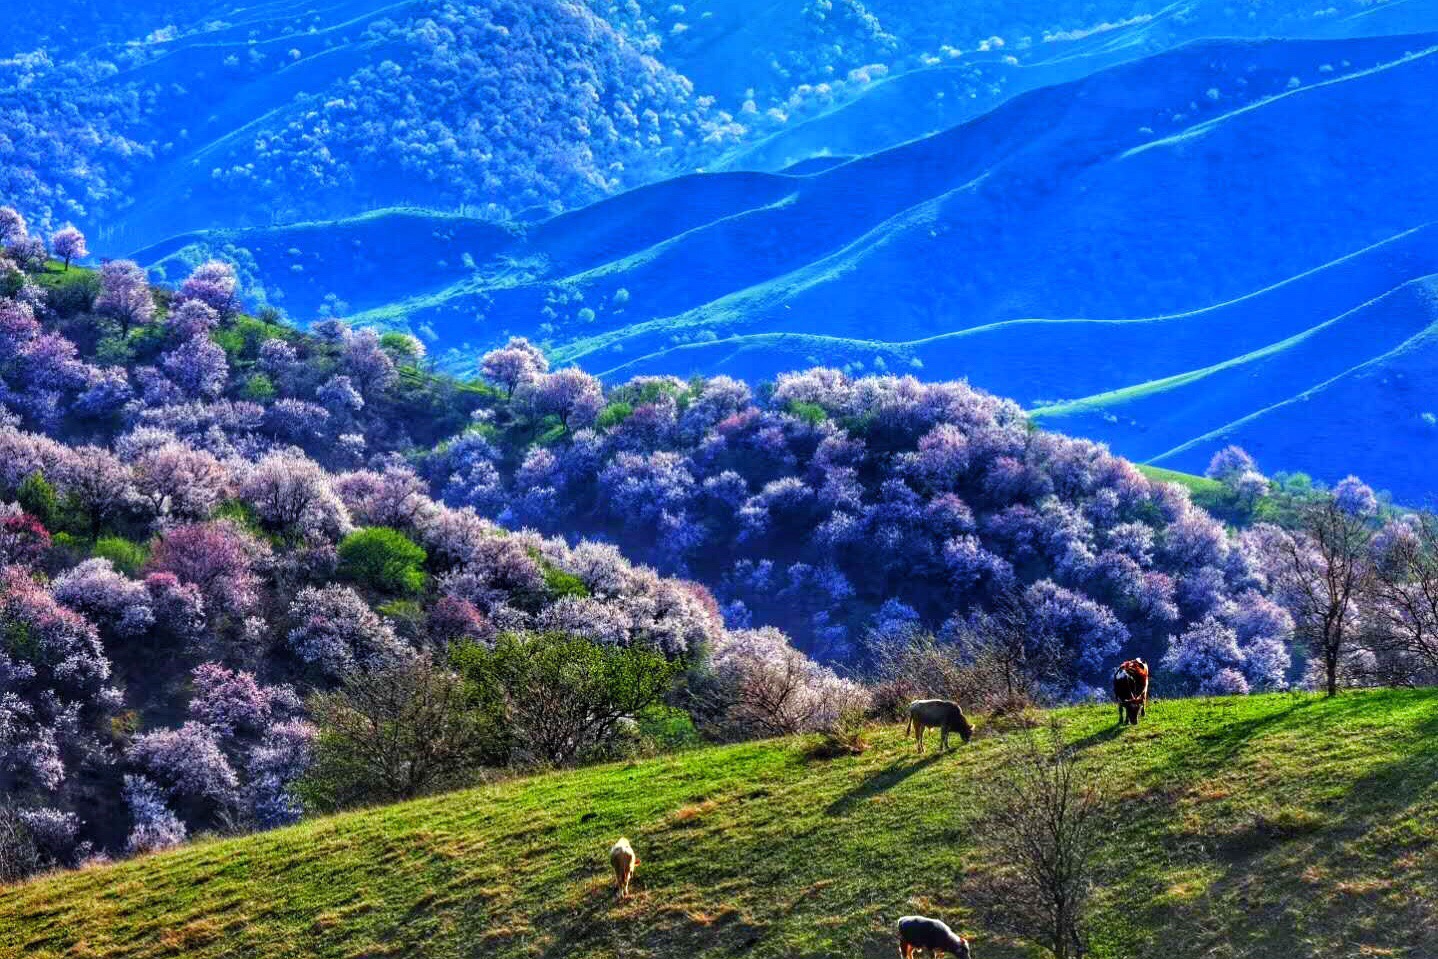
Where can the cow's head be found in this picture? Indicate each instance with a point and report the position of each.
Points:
(966, 729)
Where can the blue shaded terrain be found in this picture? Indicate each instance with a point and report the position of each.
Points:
(1160, 255)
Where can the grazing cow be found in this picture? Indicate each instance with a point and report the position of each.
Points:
(916, 933)
(924, 713)
(623, 859)
(1130, 688)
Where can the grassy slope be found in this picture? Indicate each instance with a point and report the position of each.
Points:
(1271, 826)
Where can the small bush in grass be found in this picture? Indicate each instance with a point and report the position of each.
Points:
(845, 736)
(384, 559)
(1046, 819)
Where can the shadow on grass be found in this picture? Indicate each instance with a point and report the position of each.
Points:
(882, 782)
(1107, 734)
(1348, 841)
(1217, 747)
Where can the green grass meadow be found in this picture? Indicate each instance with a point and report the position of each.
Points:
(1269, 826)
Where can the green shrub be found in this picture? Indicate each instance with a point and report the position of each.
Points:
(401, 731)
(668, 728)
(124, 555)
(259, 388)
(229, 340)
(403, 347)
(568, 698)
(560, 584)
(37, 497)
(383, 559)
(240, 513)
(114, 351)
(614, 414)
(811, 413)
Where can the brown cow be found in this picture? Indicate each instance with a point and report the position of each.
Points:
(1130, 688)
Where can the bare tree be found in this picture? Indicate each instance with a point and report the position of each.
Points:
(1321, 573)
(19, 856)
(1046, 817)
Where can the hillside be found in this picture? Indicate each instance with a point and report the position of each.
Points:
(1272, 826)
(211, 114)
(1184, 215)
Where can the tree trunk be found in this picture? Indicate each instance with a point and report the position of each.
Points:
(1331, 662)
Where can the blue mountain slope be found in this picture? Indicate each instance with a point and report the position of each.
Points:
(1163, 216)
(1380, 415)
(1161, 420)
(1116, 353)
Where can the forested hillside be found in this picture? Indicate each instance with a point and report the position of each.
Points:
(233, 550)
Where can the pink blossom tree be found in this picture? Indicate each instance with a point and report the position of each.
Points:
(125, 294)
(68, 244)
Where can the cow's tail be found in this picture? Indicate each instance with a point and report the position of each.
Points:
(909, 727)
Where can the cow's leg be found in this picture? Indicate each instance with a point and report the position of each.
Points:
(919, 735)
(944, 738)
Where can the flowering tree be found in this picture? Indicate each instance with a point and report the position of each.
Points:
(188, 764)
(121, 605)
(125, 294)
(292, 494)
(1320, 573)
(24, 540)
(154, 825)
(337, 632)
(55, 678)
(68, 244)
(192, 318)
(764, 687)
(1355, 497)
(99, 485)
(13, 227)
(176, 481)
(213, 283)
(513, 365)
(1229, 462)
(198, 366)
(218, 557)
(570, 394)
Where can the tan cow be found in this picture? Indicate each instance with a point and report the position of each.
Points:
(623, 859)
(942, 713)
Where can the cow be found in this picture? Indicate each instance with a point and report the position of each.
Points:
(918, 933)
(1130, 688)
(623, 859)
(946, 715)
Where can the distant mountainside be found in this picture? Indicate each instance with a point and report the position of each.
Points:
(151, 118)
(1167, 254)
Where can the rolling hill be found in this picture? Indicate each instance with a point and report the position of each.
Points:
(1229, 217)
(154, 117)
(1265, 826)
